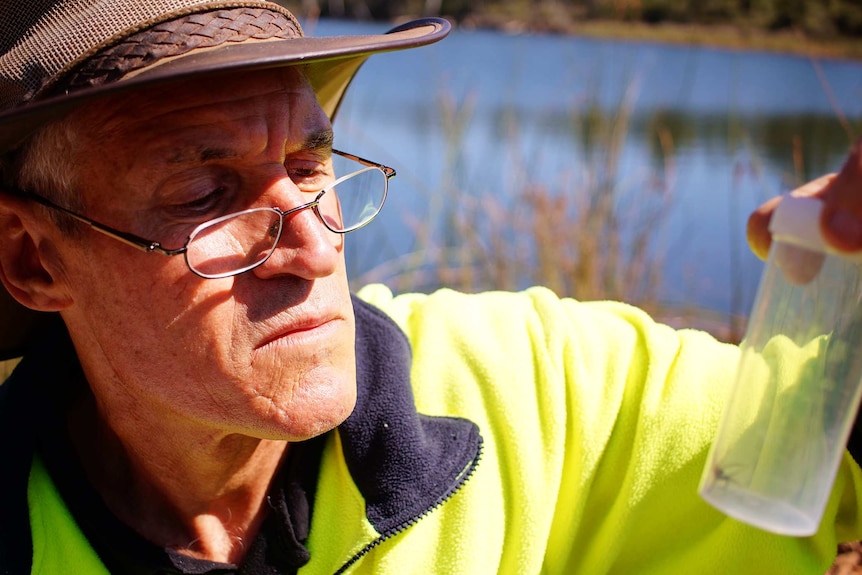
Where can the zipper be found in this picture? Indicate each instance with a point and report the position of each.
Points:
(460, 480)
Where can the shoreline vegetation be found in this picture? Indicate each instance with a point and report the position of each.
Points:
(624, 271)
(791, 27)
(721, 37)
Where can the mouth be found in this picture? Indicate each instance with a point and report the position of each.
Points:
(301, 329)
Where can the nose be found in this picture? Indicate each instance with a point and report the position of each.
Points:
(306, 249)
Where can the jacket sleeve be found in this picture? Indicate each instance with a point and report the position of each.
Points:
(669, 390)
(612, 414)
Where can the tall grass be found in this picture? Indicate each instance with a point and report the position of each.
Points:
(601, 229)
(598, 231)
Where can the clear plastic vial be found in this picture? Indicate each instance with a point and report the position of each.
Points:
(785, 427)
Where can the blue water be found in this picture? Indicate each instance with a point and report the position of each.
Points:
(744, 126)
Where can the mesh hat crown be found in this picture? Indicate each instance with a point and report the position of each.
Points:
(109, 35)
(58, 54)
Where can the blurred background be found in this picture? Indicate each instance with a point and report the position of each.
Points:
(603, 148)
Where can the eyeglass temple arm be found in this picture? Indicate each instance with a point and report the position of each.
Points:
(125, 237)
(389, 172)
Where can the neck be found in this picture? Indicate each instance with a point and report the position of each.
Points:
(203, 497)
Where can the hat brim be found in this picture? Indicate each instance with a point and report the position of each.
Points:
(329, 62)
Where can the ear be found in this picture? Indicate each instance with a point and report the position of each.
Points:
(28, 259)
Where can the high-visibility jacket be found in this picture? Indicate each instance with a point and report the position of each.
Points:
(558, 437)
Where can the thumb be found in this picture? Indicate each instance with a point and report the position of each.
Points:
(841, 220)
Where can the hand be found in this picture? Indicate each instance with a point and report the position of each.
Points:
(841, 220)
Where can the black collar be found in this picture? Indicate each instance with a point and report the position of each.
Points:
(403, 463)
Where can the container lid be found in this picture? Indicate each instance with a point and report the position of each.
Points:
(796, 221)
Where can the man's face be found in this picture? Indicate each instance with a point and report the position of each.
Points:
(267, 353)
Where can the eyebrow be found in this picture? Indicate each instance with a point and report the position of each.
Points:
(319, 140)
(200, 154)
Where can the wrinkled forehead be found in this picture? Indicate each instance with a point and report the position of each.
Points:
(128, 142)
(193, 122)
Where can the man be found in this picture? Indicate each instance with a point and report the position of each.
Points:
(225, 406)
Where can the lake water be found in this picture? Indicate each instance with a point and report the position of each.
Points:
(685, 140)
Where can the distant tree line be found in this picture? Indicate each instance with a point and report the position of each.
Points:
(816, 18)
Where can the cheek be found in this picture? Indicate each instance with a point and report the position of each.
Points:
(146, 315)
(187, 346)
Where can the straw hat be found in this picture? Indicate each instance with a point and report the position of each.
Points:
(58, 54)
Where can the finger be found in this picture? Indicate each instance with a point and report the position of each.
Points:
(757, 230)
(841, 221)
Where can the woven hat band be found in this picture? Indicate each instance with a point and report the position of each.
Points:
(47, 38)
(177, 37)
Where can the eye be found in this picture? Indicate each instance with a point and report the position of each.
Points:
(199, 193)
(309, 176)
(207, 203)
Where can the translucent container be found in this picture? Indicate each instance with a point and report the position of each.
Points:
(784, 430)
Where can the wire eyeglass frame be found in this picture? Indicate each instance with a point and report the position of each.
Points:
(148, 246)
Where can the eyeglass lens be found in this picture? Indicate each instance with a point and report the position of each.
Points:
(238, 242)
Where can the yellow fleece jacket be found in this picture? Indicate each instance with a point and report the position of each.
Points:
(596, 423)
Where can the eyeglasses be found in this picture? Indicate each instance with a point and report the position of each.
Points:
(241, 241)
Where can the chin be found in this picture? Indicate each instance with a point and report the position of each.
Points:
(319, 406)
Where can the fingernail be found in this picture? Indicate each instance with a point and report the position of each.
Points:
(846, 227)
